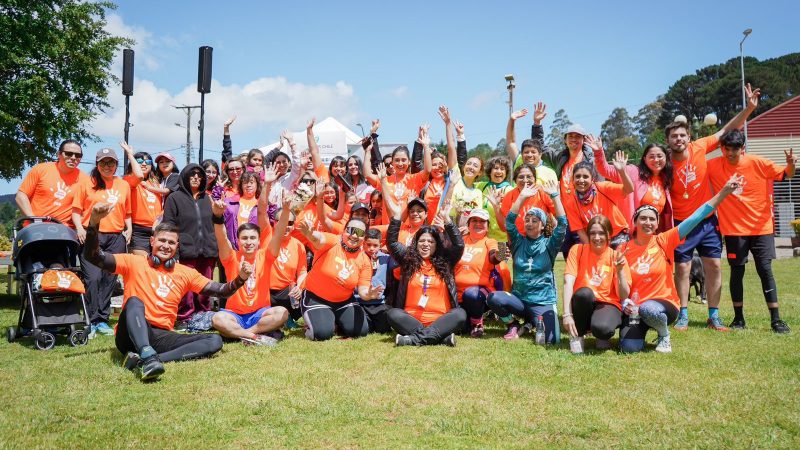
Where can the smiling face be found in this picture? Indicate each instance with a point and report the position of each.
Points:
(478, 227)
(329, 194)
(235, 169)
(338, 168)
(281, 165)
(426, 245)
(732, 154)
(70, 155)
(574, 141)
(417, 215)
(164, 244)
(165, 166)
(678, 139)
(249, 188)
(400, 162)
(351, 233)
(387, 161)
(438, 167)
(646, 222)
(582, 179)
(472, 168)
(248, 241)
(353, 167)
(211, 175)
(107, 167)
(533, 226)
(655, 159)
(498, 173)
(256, 160)
(597, 236)
(531, 155)
(525, 178)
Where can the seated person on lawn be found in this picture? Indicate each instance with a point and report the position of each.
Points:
(154, 286)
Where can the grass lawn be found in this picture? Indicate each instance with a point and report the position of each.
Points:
(715, 390)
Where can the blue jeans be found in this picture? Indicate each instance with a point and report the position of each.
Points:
(505, 304)
(655, 314)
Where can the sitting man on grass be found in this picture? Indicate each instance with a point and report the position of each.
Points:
(154, 286)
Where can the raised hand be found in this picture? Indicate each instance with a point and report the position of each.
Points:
(286, 134)
(245, 270)
(459, 128)
(752, 96)
(790, 160)
(218, 207)
(550, 187)
(286, 201)
(127, 148)
(381, 171)
(304, 227)
(270, 173)
(620, 160)
(376, 123)
(594, 143)
(539, 113)
(529, 191)
(229, 122)
(305, 157)
(311, 123)
(444, 113)
(619, 258)
(494, 196)
(424, 139)
(519, 114)
(444, 212)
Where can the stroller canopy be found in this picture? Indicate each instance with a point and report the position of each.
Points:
(46, 243)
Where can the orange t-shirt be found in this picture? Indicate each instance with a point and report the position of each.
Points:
(748, 210)
(289, 265)
(118, 195)
(655, 195)
(309, 214)
(159, 289)
(474, 267)
(605, 202)
(246, 206)
(145, 205)
(254, 295)
(432, 196)
(690, 187)
(403, 189)
(322, 174)
(540, 200)
(652, 266)
(336, 273)
(51, 193)
(427, 282)
(566, 175)
(596, 272)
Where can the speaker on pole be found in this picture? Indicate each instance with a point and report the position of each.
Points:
(204, 70)
(127, 72)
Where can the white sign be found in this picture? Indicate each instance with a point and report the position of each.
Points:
(330, 143)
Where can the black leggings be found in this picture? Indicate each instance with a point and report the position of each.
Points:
(602, 318)
(404, 323)
(135, 333)
(281, 298)
(99, 283)
(764, 270)
(324, 318)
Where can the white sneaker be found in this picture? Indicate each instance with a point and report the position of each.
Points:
(663, 345)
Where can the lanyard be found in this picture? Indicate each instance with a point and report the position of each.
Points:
(425, 280)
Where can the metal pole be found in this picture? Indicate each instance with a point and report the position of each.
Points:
(127, 126)
(188, 135)
(202, 114)
(741, 62)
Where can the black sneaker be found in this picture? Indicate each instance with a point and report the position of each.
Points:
(181, 326)
(526, 328)
(780, 327)
(737, 324)
(131, 361)
(150, 368)
(450, 340)
(401, 341)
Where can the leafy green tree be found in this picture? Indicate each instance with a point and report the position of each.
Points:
(617, 126)
(629, 145)
(54, 76)
(500, 148)
(646, 120)
(560, 124)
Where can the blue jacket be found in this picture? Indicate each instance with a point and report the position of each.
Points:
(378, 279)
(533, 262)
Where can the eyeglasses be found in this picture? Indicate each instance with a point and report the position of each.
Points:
(72, 154)
(308, 181)
(196, 174)
(142, 161)
(358, 232)
(107, 163)
(235, 169)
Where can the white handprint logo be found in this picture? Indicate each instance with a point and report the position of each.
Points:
(165, 284)
(283, 257)
(64, 279)
(345, 269)
(598, 275)
(470, 253)
(399, 190)
(112, 196)
(595, 210)
(149, 197)
(244, 210)
(643, 264)
(655, 191)
(690, 173)
(742, 182)
(61, 190)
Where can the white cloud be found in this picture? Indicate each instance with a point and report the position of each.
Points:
(399, 92)
(483, 98)
(143, 47)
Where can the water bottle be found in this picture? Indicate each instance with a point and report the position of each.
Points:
(576, 344)
(633, 319)
(540, 336)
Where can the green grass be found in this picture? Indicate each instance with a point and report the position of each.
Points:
(716, 390)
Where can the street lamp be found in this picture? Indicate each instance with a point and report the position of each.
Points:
(741, 61)
(363, 134)
(510, 87)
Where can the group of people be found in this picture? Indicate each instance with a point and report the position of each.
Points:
(418, 241)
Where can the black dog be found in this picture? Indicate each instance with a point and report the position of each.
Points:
(697, 278)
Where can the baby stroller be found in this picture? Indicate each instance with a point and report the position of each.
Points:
(45, 255)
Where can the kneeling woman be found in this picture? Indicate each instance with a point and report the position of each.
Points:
(340, 266)
(533, 291)
(651, 260)
(595, 279)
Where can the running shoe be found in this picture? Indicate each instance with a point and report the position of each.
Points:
(512, 331)
(715, 323)
(150, 368)
(92, 331)
(131, 361)
(181, 326)
(737, 324)
(526, 328)
(663, 344)
(450, 340)
(477, 331)
(780, 327)
(401, 340)
(104, 329)
(682, 324)
(260, 340)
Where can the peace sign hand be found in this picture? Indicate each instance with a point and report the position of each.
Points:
(619, 258)
(790, 160)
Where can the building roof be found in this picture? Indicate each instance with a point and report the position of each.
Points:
(780, 121)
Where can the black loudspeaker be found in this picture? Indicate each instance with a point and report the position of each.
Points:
(127, 72)
(204, 70)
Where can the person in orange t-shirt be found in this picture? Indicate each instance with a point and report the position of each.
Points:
(524, 176)
(590, 198)
(339, 267)
(473, 271)
(115, 232)
(146, 201)
(48, 188)
(596, 278)
(248, 314)
(746, 220)
(650, 257)
(154, 286)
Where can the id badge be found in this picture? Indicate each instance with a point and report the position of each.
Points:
(423, 300)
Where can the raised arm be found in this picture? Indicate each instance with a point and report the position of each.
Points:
(227, 147)
(274, 245)
(373, 139)
(511, 144)
(213, 288)
(316, 160)
(417, 158)
(456, 250)
(314, 237)
(270, 175)
(91, 247)
(392, 208)
(452, 159)
(739, 119)
(620, 162)
(686, 227)
(370, 167)
(136, 169)
(223, 244)
(604, 168)
(791, 164)
(461, 144)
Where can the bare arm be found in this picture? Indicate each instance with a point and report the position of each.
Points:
(223, 244)
(739, 119)
(312, 143)
(620, 161)
(274, 245)
(511, 145)
(452, 159)
(24, 204)
(77, 220)
(91, 249)
(136, 169)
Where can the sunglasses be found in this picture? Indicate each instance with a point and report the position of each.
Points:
(235, 169)
(358, 232)
(72, 154)
(142, 161)
(196, 174)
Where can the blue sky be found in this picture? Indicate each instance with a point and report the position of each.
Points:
(277, 63)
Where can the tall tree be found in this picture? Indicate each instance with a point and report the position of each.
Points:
(54, 76)
(560, 124)
(617, 126)
(646, 120)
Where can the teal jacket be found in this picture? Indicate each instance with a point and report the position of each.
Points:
(534, 281)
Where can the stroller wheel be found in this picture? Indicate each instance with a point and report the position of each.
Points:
(78, 337)
(11, 333)
(45, 341)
